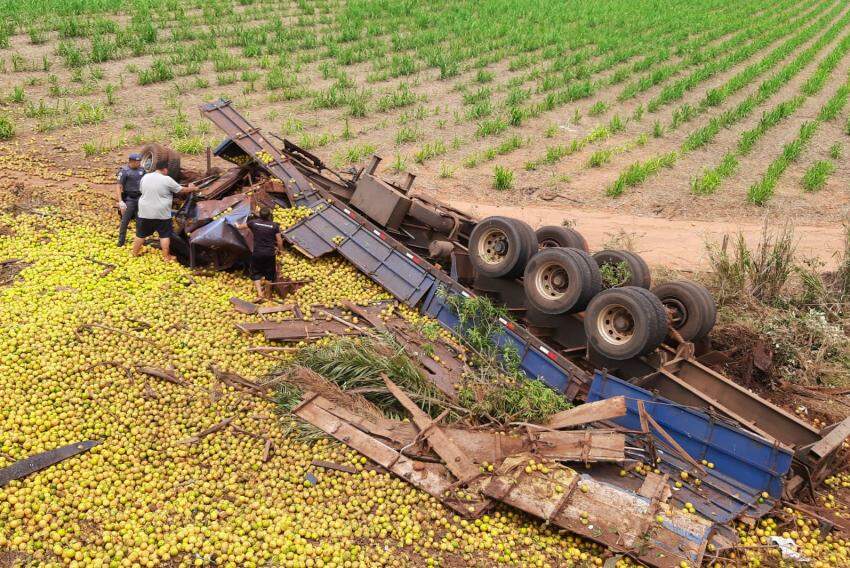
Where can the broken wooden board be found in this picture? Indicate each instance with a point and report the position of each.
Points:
(607, 409)
(487, 446)
(582, 446)
(265, 310)
(434, 479)
(456, 460)
(244, 306)
(620, 519)
(296, 330)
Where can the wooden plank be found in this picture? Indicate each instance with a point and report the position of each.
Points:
(590, 412)
(434, 479)
(265, 310)
(585, 446)
(458, 463)
(243, 306)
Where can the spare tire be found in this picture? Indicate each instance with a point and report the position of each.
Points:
(621, 323)
(500, 247)
(556, 281)
(691, 308)
(553, 236)
(154, 153)
(612, 262)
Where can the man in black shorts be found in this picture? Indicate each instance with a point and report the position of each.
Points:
(267, 241)
(158, 191)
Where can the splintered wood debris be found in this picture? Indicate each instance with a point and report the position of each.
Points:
(468, 469)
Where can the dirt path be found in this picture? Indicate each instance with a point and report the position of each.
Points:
(672, 243)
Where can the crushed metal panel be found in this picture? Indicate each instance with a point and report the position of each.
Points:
(298, 188)
(380, 201)
(614, 517)
(434, 479)
(754, 463)
(37, 462)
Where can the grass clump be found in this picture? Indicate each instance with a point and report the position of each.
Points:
(815, 177)
(761, 272)
(503, 178)
(7, 127)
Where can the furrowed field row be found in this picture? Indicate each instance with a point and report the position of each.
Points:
(761, 191)
(662, 74)
(480, 100)
(602, 133)
(710, 180)
(768, 88)
(582, 87)
(513, 142)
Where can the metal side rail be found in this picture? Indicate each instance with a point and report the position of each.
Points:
(254, 143)
(691, 383)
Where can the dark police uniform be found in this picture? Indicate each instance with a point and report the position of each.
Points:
(263, 256)
(129, 179)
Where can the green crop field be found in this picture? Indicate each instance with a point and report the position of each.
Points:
(716, 107)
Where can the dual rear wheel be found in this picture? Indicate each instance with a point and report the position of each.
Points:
(622, 317)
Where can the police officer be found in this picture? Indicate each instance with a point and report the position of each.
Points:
(128, 193)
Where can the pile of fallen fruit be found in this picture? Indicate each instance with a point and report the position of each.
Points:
(186, 389)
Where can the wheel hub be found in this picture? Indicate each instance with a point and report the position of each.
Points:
(552, 281)
(493, 246)
(616, 324)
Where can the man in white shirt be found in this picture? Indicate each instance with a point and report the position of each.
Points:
(158, 191)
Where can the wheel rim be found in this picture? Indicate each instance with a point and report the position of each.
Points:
(677, 310)
(548, 243)
(147, 162)
(616, 324)
(493, 246)
(551, 281)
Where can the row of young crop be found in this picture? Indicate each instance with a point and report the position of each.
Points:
(638, 172)
(686, 113)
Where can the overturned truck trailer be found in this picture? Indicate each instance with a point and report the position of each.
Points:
(647, 341)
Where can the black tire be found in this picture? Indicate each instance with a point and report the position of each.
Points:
(622, 323)
(529, 238)
(711, 309)
(662, 327)
(553, 236)
(556, 280)
(690, 307)
(499, 247)
(639, 267)
(594, 285)
(638, 271)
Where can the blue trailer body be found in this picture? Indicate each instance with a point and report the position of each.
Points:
(743, 458)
